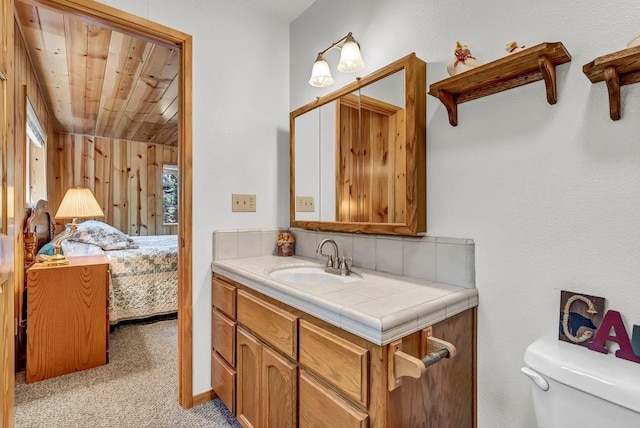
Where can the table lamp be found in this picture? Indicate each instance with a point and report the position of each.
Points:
(78, 202)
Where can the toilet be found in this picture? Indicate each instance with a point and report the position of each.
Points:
(576, 387)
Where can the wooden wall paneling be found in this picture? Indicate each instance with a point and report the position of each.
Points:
(115, 70)
(158, 116)
(168, 132)
(138, 54)
(77, 53)
(102, 176)
(88, 163)
(153, 176)
(98, 39)
(400, 168)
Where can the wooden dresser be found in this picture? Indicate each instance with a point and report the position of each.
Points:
(67, 317)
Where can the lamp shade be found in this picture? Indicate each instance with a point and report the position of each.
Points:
(320, 74)
(350, 57)
(79, 202)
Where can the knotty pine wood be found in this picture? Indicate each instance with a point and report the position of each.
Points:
(25, 85)
(159, 34)
(98, 81)
(125, 176)
(68, 318)
(415, 210)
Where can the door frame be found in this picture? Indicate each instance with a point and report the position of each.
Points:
(122, 21)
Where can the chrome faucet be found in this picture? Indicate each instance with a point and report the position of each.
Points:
(335, 264)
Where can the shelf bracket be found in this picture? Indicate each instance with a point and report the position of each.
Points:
(451, 104)
(613, 85)
(548, 71)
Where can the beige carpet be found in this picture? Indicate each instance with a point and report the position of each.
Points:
(138, 388)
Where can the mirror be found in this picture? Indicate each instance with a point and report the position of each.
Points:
(358, 155)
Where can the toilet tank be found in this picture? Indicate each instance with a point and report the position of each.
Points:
(585, 388)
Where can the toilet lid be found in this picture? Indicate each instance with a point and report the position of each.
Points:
(602, 375)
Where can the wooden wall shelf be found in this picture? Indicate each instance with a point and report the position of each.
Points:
(616, 69)
(529, 65)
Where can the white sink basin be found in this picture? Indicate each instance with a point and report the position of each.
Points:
(311, 275)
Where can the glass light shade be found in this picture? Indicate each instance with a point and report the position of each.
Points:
(79, 202)
(350, 57)
(320, 74)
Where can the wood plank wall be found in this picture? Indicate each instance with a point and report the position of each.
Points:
(125, 176)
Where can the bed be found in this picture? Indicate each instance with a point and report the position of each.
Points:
(143, 269)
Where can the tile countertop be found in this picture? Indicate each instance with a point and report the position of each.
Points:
(380, 308)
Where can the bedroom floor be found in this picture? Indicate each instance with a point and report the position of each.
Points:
(138, 388)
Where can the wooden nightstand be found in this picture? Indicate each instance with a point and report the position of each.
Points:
(67, 317)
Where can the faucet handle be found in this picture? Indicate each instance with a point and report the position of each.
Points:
(329, 257)
(344, 267)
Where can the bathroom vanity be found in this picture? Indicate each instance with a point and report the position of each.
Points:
(340, 354)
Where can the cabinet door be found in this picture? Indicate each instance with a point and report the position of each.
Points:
(322, 408)
(249, 358)
(279, 390)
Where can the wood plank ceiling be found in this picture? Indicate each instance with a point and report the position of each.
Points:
(101, 82)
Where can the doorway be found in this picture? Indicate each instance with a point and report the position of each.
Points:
(138, 27)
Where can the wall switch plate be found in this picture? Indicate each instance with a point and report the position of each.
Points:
(243, 203)
(304, 204)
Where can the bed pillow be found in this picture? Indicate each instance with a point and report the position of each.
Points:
(101, 234)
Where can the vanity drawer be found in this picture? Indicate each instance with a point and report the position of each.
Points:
(322, 408)
(223, 381)
(223, 296)
(336, 360)
(274, 325)
(223, 336)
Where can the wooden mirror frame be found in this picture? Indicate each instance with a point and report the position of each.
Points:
(416, 182)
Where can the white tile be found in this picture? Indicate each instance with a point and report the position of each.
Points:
(249, 244)
(226, 245)
(407, 299)
(371, 290)
(364, 252)
(345, 244)
(390, 316)
(430, 318)
(420, 259)
(473, 300)
(389, 255)
(269, 242)
(451, 264)
(305, 242)
(341, 297)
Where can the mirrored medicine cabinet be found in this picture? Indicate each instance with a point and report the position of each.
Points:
(358, 155)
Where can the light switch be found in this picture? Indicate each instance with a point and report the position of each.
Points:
(243, 203)
(304, 204)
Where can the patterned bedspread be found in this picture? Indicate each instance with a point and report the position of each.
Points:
(144, 280)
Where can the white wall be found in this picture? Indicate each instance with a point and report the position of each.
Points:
(240, 130)
(549, 194)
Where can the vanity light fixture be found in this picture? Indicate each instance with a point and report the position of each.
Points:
(350, 61)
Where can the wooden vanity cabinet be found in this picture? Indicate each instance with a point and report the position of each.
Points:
(294, 370)
(223, 341)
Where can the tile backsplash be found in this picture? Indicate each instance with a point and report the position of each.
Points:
(446, 260)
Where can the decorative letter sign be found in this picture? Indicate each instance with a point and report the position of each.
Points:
(581, 319)
(613, 320)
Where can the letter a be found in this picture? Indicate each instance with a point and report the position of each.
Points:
(612, 319)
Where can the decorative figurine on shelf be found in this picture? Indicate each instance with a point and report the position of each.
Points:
(286, 243)
(635, 41)
(512, 47)
(463, 60)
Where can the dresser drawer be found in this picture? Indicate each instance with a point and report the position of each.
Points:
(336, 360)
(223, 381)
(323, 408)
(223, 336)
(223, 296)
(274, 325)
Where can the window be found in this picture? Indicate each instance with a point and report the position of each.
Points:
(169, 195)
(36, 158)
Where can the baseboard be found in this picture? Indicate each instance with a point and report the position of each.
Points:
(204, 397)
